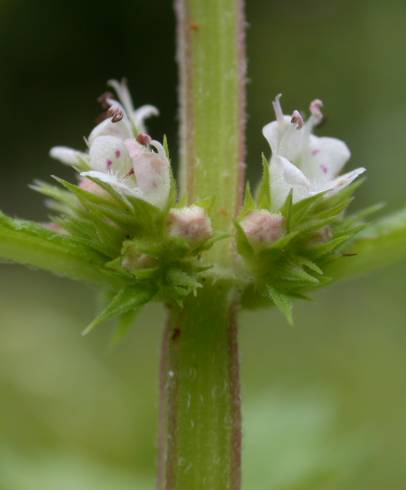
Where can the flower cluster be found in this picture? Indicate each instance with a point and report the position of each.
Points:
(124, 209)
(295, 225)
(124, 219)
(121, 154)
(301, 162)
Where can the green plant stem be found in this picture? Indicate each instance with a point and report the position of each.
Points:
(200, 440)
(211, 56)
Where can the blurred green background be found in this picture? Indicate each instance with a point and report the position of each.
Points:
(325, 401)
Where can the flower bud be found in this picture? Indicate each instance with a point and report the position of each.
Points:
(191, 223)
(263, 228)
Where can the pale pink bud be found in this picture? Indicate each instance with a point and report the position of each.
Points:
(263, 228)
(191, 223)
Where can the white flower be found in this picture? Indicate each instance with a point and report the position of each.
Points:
(191, 223)
(116, 157)
(302, 162)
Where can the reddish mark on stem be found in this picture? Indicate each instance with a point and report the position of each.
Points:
(315, 152)
(194, 26)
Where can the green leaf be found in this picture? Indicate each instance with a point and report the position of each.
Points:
(31, 244)
(283, 302)
(127, 299)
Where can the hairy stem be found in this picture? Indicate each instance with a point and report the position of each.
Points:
(212, 63)
(200, 427)
(200, 439)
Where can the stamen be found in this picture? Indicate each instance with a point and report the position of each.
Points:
(144, 139)
(103, 99)
(278, 108)
(116, 114)
(315, 110)
(297, 120)
(118, 153)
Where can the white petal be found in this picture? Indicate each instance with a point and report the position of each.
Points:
(103, 176)
(66, 155)
(144, 112)
(285, 139)
(113, 180)
(120, 129)
(324, 159)
(152, 172)
(135, 149)
(284, 177)
(342, 181)
(109, 154)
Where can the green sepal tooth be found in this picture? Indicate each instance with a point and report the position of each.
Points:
(54, 192)
(263, 194)
(218, 236)
(310, 265)
(181, 282)
(145, 273)
(127, 299)
(299, 275)
(283, 302)
(166, 147)
(284, 241)
(93, 201)
(319, 251)
(123, 326)
(119, 198)
(244, 247)
(286, 210)
(249, 202)
(305, 207)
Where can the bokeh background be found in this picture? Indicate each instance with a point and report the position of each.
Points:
(325, 401)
